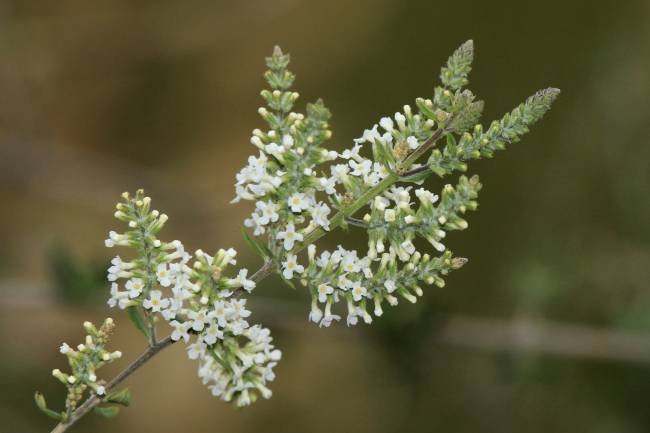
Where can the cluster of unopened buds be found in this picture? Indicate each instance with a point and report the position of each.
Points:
(303, 191)
(84, 361)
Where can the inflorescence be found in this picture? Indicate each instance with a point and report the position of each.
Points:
(302, 191)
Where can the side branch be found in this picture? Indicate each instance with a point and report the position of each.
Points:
(94, 400)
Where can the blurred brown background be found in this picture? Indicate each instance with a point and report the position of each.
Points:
(546, 329)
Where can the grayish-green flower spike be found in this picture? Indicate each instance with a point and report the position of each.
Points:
(454, 74)
(278, 77)
(483, 144)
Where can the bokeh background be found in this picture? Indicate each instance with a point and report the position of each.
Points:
(546, 329)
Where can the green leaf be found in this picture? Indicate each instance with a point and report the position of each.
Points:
(107, 411)
(42, 405)
(122, 397)
(260, 249)
(139, 322)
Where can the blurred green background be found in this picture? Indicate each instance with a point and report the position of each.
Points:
(546, 329)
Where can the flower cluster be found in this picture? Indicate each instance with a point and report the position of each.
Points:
(281, 179)
(342, 276)
(297, 184)
(198, 300)
(399, 224)
(84, 361)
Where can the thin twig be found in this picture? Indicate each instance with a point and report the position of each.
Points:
(418, 170)
(356, 222)
(95, 400)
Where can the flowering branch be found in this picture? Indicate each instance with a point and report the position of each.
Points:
(202, 301)
(93, 401)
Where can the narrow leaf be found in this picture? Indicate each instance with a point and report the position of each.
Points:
(138, 321)
(39, 399)
(260, 249)
(122, 397)
(107, 411)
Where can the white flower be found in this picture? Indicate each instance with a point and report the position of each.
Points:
(358, 291)
(360, 168)
(386, 123)
(180, 330)
(212, 334)
(298, 202)
(349, 262)
(324, 290)
(400, 119)
(255, 223)
(198, 319)
(100, 390)
(115, 296)
(287, 141)
(351, 153)
(241, 281)
(327, 184)
(221, 312)
(268, 212)
(229, 256)
(238, 308)
(380, 203)
(327, 320)
(368, 135)
(353, 313)
(163, 275)
(381, 170)
(290, 236)
(119, 269)
(426, 196)
(399, 195)
(328, 317)
(290, 266)
(196, 350)
(389, 215)
(378, 311)
(155, 302)
(237, 327)
(64, 348)
(319, 215)
(340, 171)
(274, 149)
(342, 282)
(134, 287)
(112, 239)
(390, 286)
(371, 179)
(412, 142)
(315, 314)
(175, 306)
(408, 247)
